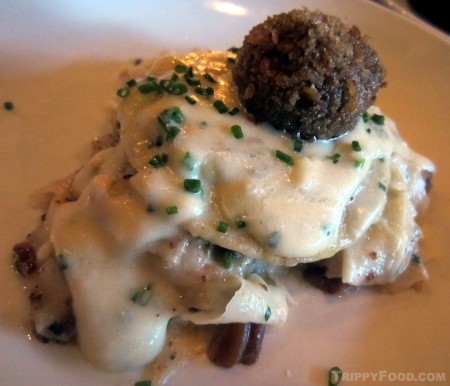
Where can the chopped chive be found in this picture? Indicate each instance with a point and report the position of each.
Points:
(326, 230)
(148, 87)
(172, 132)
(181, 68)
(359, 163)
(267, 314)
(382, 186)
(205, 91)
(228, 258)
(170, 116)
(157, 142)
(237, 131)
(172, 87)
(62, 262)
(188, 161)
(334, 376)
(241, 223)
(334, 158)
(8, 105)
(378, 119)
(234, 50)
(192, 81)
(416, 259)
(356, 146)
(209, 78)
(381, 159)
(273, 239)
(143, 383)
(233, 111)
(231, 60)
(142, 297)
(174, 77)
(287, 159)
(189, 72)
(369, 130)
(192, 185)
(171, 210)
(190, 100)
(220, 106)
(121, 92)
(159, 160)
(365, 117)
(222, 227)
(298, 145)
(131, 83)
(150, 208)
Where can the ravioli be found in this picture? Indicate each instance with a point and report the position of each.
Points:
(135, 232)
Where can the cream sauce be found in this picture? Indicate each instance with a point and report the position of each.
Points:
(131, 266)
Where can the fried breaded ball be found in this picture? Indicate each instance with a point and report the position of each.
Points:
(307, 74)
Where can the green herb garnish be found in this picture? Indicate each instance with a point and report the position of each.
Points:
(121, 92)
(273, 239)
(148, 87)
(356, 146)
(416, 259)
(222, 227)
(170, 116)
(142, 297)
(62, 262)
(209, 78)
(171, 210)
(143, 383)
(192, 185)
(366, 117)
(240, 224)
(267, 314)
(228, 258)
(188, 161)
(157, 142)
(172, 132)
(8, 105)
(205, 91)
(236, 130)
(233, 111)
(131, 83)
(378, 119)
(220, 106)
(172, 87)
(159, 160)
(287, 159)
(334, 376)
(382, 186)
(190, 100)
(181, 68)
(335, 158)
(298, 145)
(359, 163)
(234, 50)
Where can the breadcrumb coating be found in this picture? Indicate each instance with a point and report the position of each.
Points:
(308, 74)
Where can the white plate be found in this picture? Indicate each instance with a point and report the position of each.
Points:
(58, 63)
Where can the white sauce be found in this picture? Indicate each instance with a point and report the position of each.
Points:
(116, 249)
